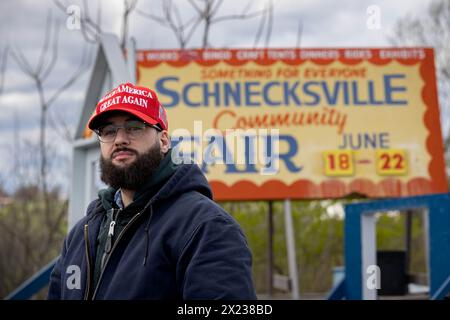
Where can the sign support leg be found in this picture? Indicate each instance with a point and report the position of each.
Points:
(290, 245)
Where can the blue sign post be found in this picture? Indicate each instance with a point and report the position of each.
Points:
(360, 238)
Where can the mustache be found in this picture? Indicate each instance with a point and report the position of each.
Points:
(122, 149)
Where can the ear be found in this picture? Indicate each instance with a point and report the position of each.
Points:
(164, 141)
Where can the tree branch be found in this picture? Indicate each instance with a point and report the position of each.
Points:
(129, 6)
(160, 20)
(194, 5)
(174, 23)
(215, 9)
(60, 125)
(47, 37)
(193, 28)
(299, 34)
(54, 58)
(269, 23)
(72, 79)
(90, 30)
(261, 26)
(241, 16)
(3, 63)
(22, 62)
(60, 6)
(178, 17)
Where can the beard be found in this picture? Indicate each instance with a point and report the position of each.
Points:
(134, 175)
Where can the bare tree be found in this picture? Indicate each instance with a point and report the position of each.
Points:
(129, 5)
(27, 240)
(260, 30)
(266, 19)
(31, 233)
(299, 33)
(171, 19)
(209, 13)
(269, 23)
(90, 28)
(206, 11)
(39, 74)
(59, 123)
(3, 63)
(431, 29)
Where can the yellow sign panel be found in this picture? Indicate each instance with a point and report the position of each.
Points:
(391, 162)
(307, 123)
(338, 163)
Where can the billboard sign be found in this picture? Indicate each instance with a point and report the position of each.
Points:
(303, 123)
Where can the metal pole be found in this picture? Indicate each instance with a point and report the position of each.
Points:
(408, 237)
(369, 256)
(426, 233)
(290, 244)
(270, 249)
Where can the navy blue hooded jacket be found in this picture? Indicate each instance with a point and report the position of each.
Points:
(181, 246)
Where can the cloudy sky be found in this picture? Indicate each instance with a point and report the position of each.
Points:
(326, 23)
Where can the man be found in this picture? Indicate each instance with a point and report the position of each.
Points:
(154, 233)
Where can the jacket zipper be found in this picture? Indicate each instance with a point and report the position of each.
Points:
(88, 259)
(108, 244)
(114, 246)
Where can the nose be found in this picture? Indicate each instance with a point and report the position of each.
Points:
(121, 137)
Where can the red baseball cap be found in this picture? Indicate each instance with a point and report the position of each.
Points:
(139, 101)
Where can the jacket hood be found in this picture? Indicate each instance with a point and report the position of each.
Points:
(188, 177)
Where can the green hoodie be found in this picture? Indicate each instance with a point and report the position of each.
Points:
(122, 216)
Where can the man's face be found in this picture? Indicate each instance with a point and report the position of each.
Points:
(127, 161)
(123, 150)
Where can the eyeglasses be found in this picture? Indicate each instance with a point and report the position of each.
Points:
(134, 130)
